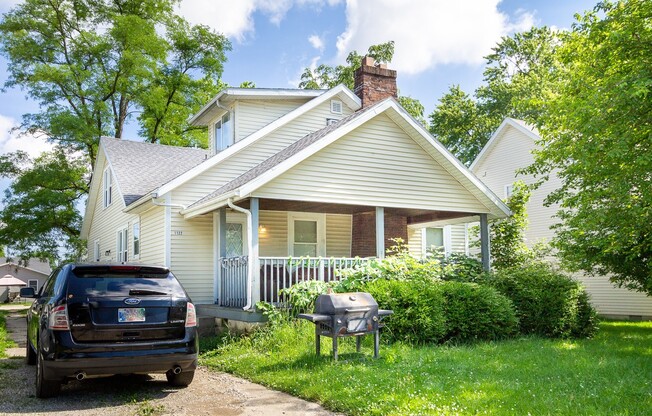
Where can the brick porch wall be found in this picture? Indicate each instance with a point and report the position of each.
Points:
(363, 239)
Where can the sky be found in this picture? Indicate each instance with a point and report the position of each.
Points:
(438, 43)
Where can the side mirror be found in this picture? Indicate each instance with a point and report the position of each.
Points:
(27, 292)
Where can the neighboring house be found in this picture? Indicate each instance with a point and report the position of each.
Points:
(33, 273)
(509, 149)
(327, 176)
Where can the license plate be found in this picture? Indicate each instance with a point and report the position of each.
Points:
(131, 315)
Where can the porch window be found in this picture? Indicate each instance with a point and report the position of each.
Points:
(437, 240)
(234, 240)
(223, 132)
(123, 243)
(305, 238)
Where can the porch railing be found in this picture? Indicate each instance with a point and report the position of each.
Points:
(277, 273)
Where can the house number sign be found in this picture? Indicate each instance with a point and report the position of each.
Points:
(177, 232)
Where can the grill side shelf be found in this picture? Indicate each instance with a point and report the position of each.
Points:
(314, 317)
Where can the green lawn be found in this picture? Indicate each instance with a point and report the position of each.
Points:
(608, 375)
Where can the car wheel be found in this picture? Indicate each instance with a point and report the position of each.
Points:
(45, 388)
(30, 354)
(182, 379)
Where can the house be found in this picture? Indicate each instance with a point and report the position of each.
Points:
(295, 185)
(32, 273)
(509, 149)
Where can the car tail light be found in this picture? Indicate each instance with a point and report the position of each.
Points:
(58, 319)
(191, 315)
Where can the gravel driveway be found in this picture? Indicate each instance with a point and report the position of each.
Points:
(210, 393)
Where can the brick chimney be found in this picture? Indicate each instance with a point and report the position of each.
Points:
(374, 83)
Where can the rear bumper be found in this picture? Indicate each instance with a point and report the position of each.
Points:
(66, 358)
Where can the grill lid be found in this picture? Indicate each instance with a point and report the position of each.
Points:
(341, 303)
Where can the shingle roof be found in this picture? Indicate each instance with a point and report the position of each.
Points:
(139, 167)
(279, 157)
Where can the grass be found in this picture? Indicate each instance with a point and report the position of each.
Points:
(607, 375)
(5, 341)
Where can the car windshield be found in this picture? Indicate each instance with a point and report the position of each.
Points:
(90, 283)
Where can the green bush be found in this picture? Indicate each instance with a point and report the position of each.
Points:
(302, 296)
(548, 303)
(476, 312)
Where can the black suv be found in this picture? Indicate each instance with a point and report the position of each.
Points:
(92, 320)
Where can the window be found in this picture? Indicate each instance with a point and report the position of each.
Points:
(135, 236)
(508, 190)
(223, 132)
(306, 235)
(96, 250)
(33, 283)
(336, 107)
(108, 187)
(123, 242)
(234, 240)
(437, 241)
(434, 239)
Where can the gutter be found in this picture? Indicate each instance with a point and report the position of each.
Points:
(154, 195)
(250, 248)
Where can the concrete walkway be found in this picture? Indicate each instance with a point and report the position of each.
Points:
(16, 325)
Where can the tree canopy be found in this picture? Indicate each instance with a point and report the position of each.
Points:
(597, 136)
(93, 66)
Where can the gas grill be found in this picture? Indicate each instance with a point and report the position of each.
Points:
(345, 315)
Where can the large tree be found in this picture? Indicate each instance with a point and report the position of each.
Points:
(517, 74)
(326, 76)
(93, 65)
(597, 130)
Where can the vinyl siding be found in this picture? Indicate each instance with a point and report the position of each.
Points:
(274, 241)
(415, 241)
(107, 221)
(252, 115)
(338, 235)
(512, 151)
(152, 236)
(252, 155)
(375, 165)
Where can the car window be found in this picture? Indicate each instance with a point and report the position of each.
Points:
(47, 290)
(89, 284)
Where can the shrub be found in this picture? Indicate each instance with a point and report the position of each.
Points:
(475, 312)
(548, 303)
(302, 296)
(462, 268)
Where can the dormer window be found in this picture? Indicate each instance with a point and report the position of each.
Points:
(223, 133)
(336, 107)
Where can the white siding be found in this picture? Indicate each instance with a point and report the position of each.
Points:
(274, 241)
(512, 151)
(152, 237)
(458, 239)
(415, 241)
(338, 235)
(375, 165)
(252, 115)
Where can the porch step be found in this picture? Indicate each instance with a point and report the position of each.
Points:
(236, 314)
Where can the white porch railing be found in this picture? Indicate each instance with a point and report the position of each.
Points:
(277, 273)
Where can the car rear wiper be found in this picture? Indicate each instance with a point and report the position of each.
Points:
(133, 292)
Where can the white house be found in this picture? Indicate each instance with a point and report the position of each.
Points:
(33, 274)
(509, 149)
(328, 176)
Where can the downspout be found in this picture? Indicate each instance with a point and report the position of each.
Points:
(250, 249)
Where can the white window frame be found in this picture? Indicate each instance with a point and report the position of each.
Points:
(336, 107)
(107, 187)
(447, 240)
(97, 254)
(509, 190)
(29, 284)
(122, 244)
(135, 255)
(218, 141)
(321, 230)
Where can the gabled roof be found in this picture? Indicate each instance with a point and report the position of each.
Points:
(139, 167)
(211, 109)
(289, 157)
(520, 125)
(339, 91)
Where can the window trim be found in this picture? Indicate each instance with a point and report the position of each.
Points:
(97, 253)
(107, 187)
(135, 255)
(321, 230)
(334, 107)
(447, 238)
(220, 120)
(122, 239)
(29, 284)
(508, 190)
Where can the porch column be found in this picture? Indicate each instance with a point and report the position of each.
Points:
(254, 259)
(380, 232)
(484, 242)
(220, 252)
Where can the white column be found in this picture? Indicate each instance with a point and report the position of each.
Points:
(254, 256)
(380, 232)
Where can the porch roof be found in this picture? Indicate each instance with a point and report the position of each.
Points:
(266, 171)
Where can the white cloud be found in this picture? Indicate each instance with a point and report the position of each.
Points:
(316, 42)
(11, 141)
(428, 33)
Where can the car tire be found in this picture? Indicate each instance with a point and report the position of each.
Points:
(182, 379)
(45, 388)
(30, 354)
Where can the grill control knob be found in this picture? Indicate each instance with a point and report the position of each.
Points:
(353, 298)
(375, 318)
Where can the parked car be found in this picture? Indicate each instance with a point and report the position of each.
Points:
(92, 320)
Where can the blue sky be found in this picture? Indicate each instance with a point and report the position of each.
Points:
(438, 42)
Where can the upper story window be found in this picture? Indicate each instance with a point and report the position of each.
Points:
(223, 132)
(336, 107)
(108, 187)
(135, 236)
(509, 189)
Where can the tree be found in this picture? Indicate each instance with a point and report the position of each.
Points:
(516, 77)
(92, 66)
(597, 136)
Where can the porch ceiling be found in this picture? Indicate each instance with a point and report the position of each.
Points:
(414, 216)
